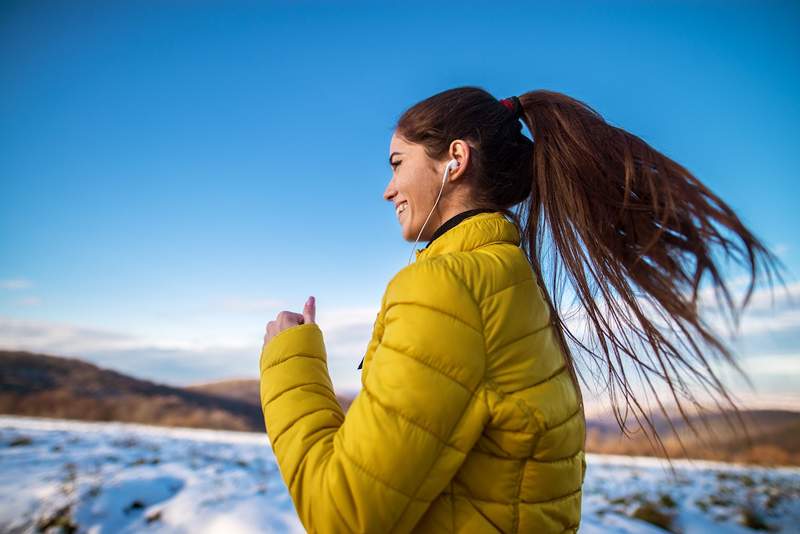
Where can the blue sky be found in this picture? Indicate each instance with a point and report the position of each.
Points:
(176, 173)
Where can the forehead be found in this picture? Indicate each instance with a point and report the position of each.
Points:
(398, 144)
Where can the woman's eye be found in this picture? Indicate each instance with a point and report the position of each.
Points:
(395, 164)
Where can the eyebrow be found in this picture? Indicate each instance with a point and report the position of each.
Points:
(393, 154)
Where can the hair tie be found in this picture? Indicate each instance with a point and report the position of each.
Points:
(514, 105)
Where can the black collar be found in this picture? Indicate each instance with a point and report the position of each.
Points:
(453, 221)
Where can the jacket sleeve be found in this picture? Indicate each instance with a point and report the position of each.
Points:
(407, 432)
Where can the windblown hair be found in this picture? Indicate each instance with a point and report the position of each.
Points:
(622, 218)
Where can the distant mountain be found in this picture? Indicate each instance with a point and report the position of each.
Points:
(50, 386)
(774, 437)
(247, 390)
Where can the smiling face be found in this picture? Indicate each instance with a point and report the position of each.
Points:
(415, 184)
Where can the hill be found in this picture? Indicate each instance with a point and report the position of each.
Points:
(50, 386)
(246, 390)
(774, 437)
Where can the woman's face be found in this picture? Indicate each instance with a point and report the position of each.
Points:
(416, 180)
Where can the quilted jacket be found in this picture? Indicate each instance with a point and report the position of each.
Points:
(467, 420)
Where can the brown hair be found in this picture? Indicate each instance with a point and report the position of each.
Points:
(623, 219)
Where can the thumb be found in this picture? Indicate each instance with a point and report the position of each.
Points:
(309, 310)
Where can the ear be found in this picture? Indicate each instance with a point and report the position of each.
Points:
(459, 151)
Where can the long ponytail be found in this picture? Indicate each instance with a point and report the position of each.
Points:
(633, 230)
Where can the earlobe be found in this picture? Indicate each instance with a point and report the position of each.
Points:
(459, 150)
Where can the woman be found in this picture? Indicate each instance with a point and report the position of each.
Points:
(470, 418)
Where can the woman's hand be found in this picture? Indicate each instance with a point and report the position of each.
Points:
(287, 319)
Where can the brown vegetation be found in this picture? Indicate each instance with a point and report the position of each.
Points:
(247, 390)
(775, 438)
(49, 386)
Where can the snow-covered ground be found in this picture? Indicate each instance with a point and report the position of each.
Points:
(116, 478)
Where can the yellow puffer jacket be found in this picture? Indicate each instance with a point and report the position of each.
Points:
(467, 420)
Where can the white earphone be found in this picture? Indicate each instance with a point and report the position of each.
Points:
(452, 164)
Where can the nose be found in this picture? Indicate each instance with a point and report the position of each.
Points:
(390, 191)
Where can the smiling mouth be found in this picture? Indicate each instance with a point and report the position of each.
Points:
(402, 208)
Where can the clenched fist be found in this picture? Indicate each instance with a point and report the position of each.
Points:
(287, 319)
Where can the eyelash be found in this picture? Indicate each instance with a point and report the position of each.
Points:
(395, 164)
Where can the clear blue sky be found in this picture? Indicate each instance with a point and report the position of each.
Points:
(175, 173)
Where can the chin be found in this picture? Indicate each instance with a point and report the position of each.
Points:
(405, 232)
(409, 232)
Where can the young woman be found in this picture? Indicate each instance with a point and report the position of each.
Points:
(470, 418)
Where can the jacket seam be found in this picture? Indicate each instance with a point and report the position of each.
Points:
(523, 408)
(292, 356)
(291, 388)
(569, 418)
(469, 499)
(471, 399)
(273, 443)
(511, 503)
(375, 477)
(291, 481)
(554, 499)
(466, 289)
(509, 431)
(480, 317)
(409, 420)
(437, 310)
(333, 501)
(540, 382)
(495, 456)
(521, 470)
(558, 460)
(423, 362)
(294, 422)
(506, 344)
(455, 426)
(517, 497)
(518, 282)
(338, 512)
(452, 508)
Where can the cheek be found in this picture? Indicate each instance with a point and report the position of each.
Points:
(415, 185)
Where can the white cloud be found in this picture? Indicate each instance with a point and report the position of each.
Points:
(762, 298)
(766, 345)
(204, 350)
(160, 361)
(203, 356)
(347, 331)
(59, 338)
(774, 364)
(770, 310)
(29, 301)
(14, 284)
